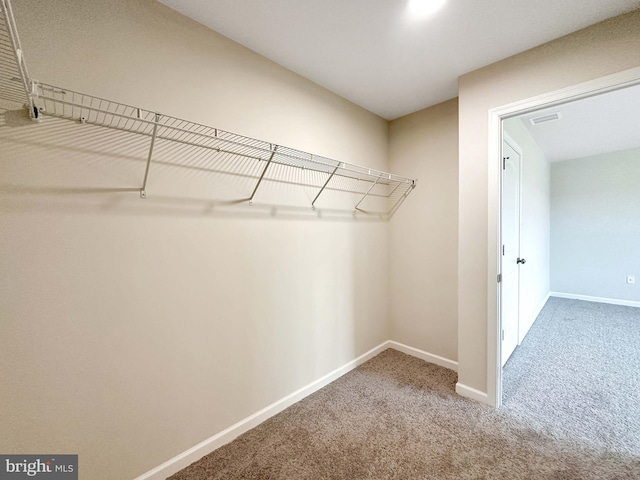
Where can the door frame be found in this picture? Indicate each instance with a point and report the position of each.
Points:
(591, 88)
(506, 138)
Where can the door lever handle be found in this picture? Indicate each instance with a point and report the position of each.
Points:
(521, 260)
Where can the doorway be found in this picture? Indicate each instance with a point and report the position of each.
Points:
(496, 323)
(511, 261)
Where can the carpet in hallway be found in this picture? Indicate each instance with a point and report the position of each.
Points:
(577, 375)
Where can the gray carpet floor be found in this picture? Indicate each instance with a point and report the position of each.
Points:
(398, 417)
(577, 375)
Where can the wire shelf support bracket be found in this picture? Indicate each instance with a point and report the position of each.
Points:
(253, 194)
(10, 31)
(313, 207)
(368, 192)
(143, 190)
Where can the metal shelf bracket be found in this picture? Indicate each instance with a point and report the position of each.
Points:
(273, 152)
(16, 48)
(313, 207)
(143, 190)
(368, 192)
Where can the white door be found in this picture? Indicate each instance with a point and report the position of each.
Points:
(510, 292)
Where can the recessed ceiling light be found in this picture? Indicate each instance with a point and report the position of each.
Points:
(424, 8)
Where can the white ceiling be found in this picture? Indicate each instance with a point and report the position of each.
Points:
(373, 53)
(601, 124)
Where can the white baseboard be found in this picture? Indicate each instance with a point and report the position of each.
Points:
(207, 446)
(533, 317)
(421, 354)
(472, 393)
(587, 298)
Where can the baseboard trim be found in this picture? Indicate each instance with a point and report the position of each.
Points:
(207, 446)
(421, 354)
(587, 298)
(472, 393)
(177, 463)
(541, 305)
(533, 318)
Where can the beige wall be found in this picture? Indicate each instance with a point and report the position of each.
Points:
(424, 232)
(602, 49)
(134, 329)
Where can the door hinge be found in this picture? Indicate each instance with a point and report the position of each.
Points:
(504, 162)
(503, 250)
(499, 277)
(502, 335)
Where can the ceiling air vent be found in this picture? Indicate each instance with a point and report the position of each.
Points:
(549, 117)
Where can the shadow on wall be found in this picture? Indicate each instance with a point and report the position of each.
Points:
(53, 163)
(136, 319)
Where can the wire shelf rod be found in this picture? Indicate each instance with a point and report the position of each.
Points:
(202, 134)
(141, 120)
(274, 161)
(216, 149)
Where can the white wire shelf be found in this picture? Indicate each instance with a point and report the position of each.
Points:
(370, 191)
(14, 78)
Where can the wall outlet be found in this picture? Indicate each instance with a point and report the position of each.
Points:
(631, 280)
